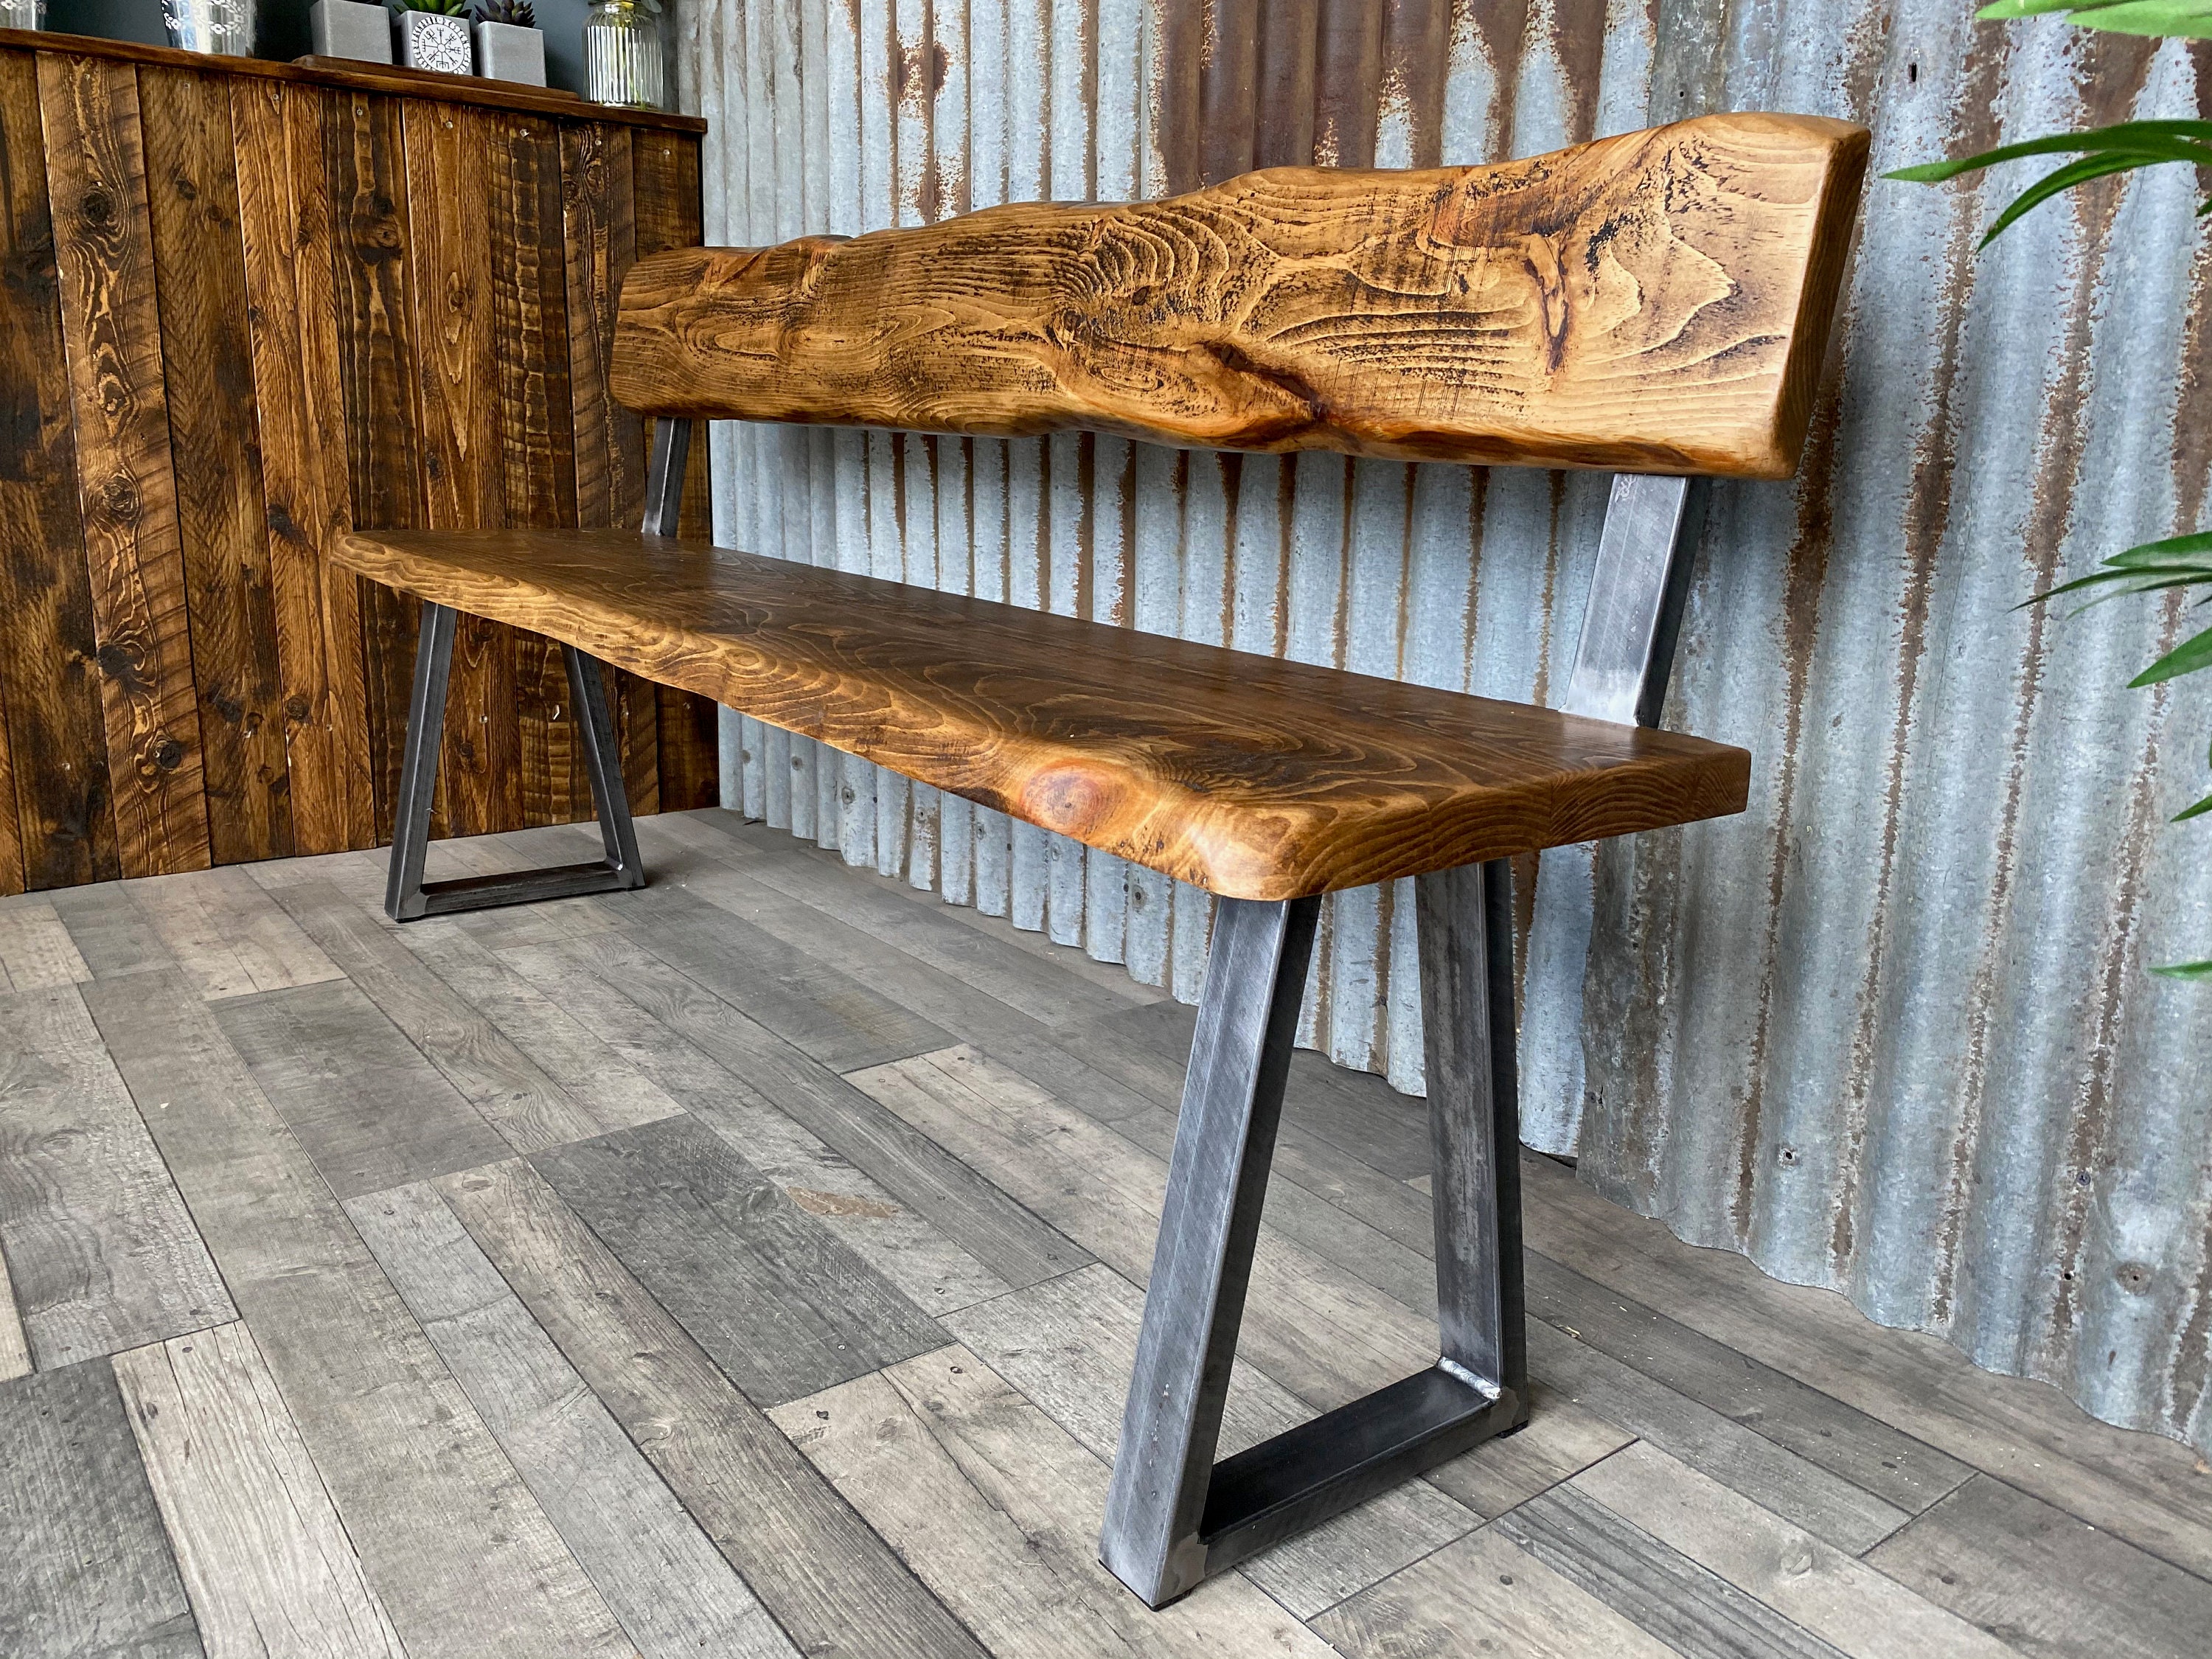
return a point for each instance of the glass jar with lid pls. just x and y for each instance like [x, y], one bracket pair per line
[622, 53]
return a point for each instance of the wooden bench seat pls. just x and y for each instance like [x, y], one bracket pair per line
[1247, 776]
[1656, 303]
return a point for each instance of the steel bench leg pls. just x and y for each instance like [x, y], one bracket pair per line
[1173, 1514]
[407, 896]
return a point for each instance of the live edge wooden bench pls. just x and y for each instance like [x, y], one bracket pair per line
[1656, 304]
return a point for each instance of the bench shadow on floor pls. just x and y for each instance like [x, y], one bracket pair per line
[753, 1265]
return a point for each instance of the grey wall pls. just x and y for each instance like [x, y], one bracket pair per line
[1890, 1030]
[282, 29]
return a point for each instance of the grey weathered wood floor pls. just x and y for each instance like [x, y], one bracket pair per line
[752, 1266]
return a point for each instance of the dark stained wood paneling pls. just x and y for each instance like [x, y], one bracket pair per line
[207, 362]
[364, 165]
[537, 433]
[1251, 776]
[243, 308]
[668, 216]
[284, 222]
[451, 153]
[57, 809]
[111, 329]
[599, 204]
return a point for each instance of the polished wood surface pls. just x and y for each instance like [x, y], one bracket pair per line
[1250, 776]
[1657, 302]
[249, 305]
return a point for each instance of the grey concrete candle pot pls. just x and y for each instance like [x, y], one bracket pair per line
[511, 52]
[350, 28]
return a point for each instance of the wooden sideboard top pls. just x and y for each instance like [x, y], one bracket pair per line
[359, 77]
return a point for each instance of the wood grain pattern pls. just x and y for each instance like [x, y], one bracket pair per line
[784, 1307]
[84, 1567]
[111, 329]
[379, 384]
[261, 1550]
[836, 1587]
[1657, 302]
[103, 1254]
[668, 206]
[58, 751]
[207, 364]
[450, 280]
[15, 1347]
[2045, 1583]
[467, 1563]
[1250, 776]
[285, 225]
[599, 226]
[675, 1595]
[1830, 1593]
[994, 1507]
[537, 438]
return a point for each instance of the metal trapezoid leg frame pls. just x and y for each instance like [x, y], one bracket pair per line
[407, 896]
[1174, 1515]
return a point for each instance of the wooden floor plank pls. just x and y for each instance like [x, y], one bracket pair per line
[2045, 1583]
[100, 1250]
[1483, 1595]
[609, 981]
[36, 949]
[263, 1554]
[14, 1350]
[1854, 1606]
[1562, 1439]
[1051, 988]
[996, 1510]
[834, 1585]
[674, 1594]
[1824, 1504]
[467, 1563]
[227, 935]
[941, 1001]
[1359, 1115]
[85, 1569]
[1867, 1452]
[613, 1093]
[1306, 1324]
[112, 934]
[503, 1083]
[365, 1104]
[1661, 1592]
[825, 1013]
[2142, 1487]
[1070, 1344]
[781, 1305]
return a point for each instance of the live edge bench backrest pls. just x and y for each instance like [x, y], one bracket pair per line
[1656, 303]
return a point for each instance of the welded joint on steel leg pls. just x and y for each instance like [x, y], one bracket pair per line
[407, 896]
[1174, 1517]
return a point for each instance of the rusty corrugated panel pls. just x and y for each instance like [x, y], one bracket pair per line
[1889, 1031]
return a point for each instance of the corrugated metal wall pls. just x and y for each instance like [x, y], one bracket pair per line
[1890, 1031]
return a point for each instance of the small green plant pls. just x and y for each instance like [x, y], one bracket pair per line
[442, 7]
[2180, 562]
[519, 13]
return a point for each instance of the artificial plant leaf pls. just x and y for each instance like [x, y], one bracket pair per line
[2197, 811]
[2198, 541]
[2183, 17]
[2191, 654]
[2155, 140]
[2074, 173]
[2185, 971]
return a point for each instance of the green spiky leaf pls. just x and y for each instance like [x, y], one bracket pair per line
[2185, 971]
[2187, 657]
[2192, 18]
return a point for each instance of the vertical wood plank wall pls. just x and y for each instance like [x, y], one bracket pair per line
[240, 311]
